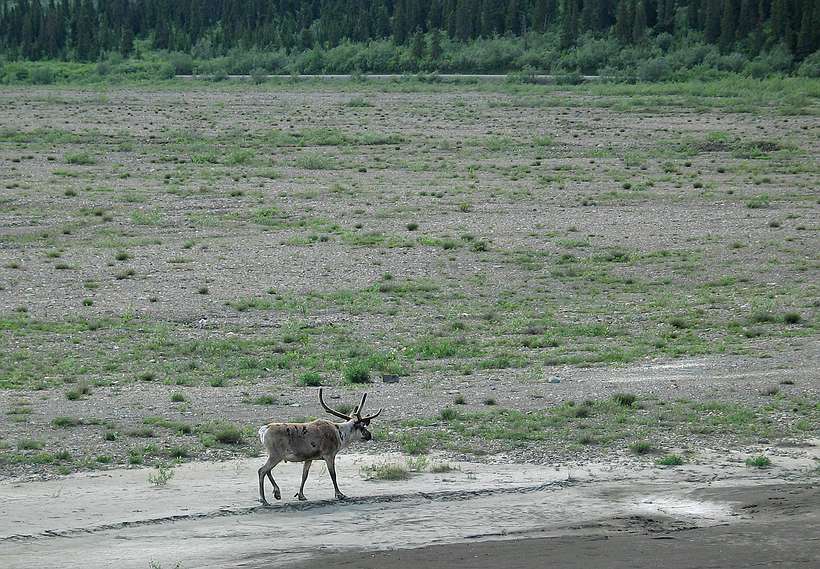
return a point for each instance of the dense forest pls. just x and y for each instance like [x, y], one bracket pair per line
[409, 35]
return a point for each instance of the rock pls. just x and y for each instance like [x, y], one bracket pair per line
[554, 379]
[390, 378]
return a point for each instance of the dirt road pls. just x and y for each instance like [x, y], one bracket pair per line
[206, 516]
[772, 538]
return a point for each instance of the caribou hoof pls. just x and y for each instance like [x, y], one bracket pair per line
[300, 496]
[277, 495]
[340, 496]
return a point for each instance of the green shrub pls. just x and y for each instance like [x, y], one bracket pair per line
[64, 422]
[356, 372]
[182, 63]
[654, 70]
[670, 460]
[310, 379]
[759, 461]
[792, 318]
[386, 472]
[259, 75]
[625, 399]
[448, 414]
[641, 447]
[414, 443]
[30, 444]
[43, 75]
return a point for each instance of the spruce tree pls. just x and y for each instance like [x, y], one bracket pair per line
[127, 42]
[805, 38]
[435, 45]
[417, 47]
[747, 18]
[623, 21]
[711, 30]
[727, 26]
[540, 15]
[512, 22]
[693, 15]
[570, 15]
[400, 23]
[666, 16]
[639, 25]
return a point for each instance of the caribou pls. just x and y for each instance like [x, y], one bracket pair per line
[306, 442]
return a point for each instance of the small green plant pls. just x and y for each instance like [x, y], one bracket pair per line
[147, 375]
[412, 226]
[758, 202]
[80, 159]
[387, 471]
[670, 460]
[448, 414]
[64, 422]
[459, 400]
[760, 461]
[417, 464]
[415, 444]
[161, 476]
[224, 433]
[141, 433]
[30, 444]
[792, 318]
[442, 468]
[586, 439]
[489, 401]
[625, 399]
[264, 400]
[310, 379]
[62, 455]
[641, 447]
[78, 391]
[356, 372]
[178, 452]
[177, 397]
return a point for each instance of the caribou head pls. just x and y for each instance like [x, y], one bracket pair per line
[359, 423]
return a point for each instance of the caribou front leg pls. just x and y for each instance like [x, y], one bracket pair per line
[305, 470]
[331, 466]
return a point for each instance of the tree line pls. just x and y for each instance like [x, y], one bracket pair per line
[85, 30]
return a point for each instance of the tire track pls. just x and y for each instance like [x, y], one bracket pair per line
[441, 496]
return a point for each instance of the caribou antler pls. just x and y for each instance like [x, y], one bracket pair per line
[358, 410]
[333, 411]
[370, 417]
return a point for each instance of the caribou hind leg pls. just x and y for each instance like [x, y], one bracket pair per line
[265, 470]
[305, 470]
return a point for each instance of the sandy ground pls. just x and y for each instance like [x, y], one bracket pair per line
[207, 516]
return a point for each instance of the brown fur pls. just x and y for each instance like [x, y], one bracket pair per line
[306, 442]
[296, 442]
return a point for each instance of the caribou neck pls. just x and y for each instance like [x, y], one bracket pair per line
[345, 432]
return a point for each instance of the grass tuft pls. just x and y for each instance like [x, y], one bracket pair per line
[760, 461]
[670, 460]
